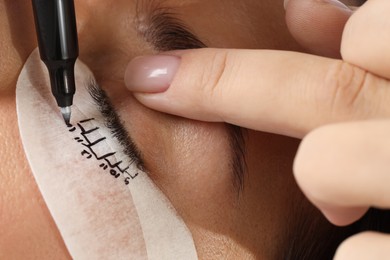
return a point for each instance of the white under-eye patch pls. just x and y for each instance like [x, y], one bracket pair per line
[103, 205]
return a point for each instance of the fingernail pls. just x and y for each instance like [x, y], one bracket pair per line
[151, 73]
[332, 2]
[336, 3]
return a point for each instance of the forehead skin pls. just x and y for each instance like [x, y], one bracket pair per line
[196, 180]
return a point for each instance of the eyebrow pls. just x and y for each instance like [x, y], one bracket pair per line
[161, 28]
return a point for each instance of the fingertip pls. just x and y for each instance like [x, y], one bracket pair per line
[167, 102]
[156, 101]
[169, 82]
[364, 245]
[341, 216]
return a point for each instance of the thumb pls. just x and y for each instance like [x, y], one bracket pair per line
[317, 25]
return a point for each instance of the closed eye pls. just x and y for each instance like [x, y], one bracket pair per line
[160, 27]
[164, 32]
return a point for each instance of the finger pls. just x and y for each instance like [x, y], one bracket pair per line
[318, 25]
[281, 92]
[366, 245]
[366, 38]
[344, 169]
[342, 215]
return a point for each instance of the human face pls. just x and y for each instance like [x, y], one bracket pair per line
[225, 222]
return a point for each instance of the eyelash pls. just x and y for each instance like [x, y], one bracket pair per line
[113, 122]
[166, 32]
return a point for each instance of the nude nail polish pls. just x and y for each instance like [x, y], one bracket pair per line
[151, 74]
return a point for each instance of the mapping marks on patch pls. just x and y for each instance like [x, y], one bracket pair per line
[95, 147]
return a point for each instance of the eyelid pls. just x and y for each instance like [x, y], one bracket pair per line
[163, 30]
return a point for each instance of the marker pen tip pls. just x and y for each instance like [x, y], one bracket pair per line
[66, 112]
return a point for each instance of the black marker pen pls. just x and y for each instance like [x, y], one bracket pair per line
[55, 23]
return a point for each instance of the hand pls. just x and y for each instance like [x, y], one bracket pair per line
[342, 168]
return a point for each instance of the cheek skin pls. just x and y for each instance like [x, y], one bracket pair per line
[16, 42]
[25, 223]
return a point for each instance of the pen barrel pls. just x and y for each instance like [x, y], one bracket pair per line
[62, 81]
[55, 22]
